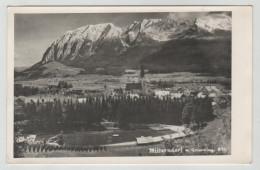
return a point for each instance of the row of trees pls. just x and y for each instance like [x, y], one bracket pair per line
[20, 90]
[197, 111]
[165, 84]
[46, 148]
[68, 115]
[218, 143]
[20, 123]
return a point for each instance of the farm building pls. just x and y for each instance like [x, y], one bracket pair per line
[213, 103]
[144, 140]
[161, 93]
[176, 95]
[133, 95]
[35, 100]
[178, 89]
[130, 71]
[82, 100]
[209, 89]
[193, 93]
[201, 95]
[212, 95]
[134, 87]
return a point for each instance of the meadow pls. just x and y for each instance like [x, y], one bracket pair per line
[97, 81]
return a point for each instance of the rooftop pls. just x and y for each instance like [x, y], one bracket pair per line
[133, 86]
[144, 140]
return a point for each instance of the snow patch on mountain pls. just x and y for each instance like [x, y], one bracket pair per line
[87, 40]
[211, 23]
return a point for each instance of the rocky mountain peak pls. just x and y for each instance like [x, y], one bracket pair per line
[106, 39]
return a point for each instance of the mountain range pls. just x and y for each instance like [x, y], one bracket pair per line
[193, 44]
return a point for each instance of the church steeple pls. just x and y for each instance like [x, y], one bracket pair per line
[142, 71]
[142, 79]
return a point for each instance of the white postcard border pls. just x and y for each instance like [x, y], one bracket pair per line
[241, 88]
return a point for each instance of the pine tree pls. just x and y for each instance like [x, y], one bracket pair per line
[19, 125]
[142, 71]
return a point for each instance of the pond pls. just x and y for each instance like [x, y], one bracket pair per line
[105, 137]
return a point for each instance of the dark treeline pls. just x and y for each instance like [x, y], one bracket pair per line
[67, 115]
[169, 84]
[172, 82]
[219, 71]
[20, 90]
[197, 111]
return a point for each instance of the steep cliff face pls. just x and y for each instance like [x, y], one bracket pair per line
[105, 45]
[83, 41]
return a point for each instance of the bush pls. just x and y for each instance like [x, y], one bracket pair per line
[196, 145]
[64, 84]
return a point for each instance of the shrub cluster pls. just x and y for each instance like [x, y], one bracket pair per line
[47, 148]
[64, 84]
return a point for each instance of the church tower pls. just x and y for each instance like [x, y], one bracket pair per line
[142, 79]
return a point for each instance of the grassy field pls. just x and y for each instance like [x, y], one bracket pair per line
[97, 82]
[105, 137]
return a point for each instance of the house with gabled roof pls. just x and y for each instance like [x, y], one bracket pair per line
[176, 95]
[134, 87]
[161, 93]
[209, 89]
[144, 140]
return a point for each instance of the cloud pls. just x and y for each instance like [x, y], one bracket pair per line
[179, 16]
[227, 13]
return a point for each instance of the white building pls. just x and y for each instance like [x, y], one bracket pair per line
[178, 89]
[129, 71]
[201, 95]
[212, 95]
[144, 140]
[176, 95]
[82, 100]
[133, 95]
[161, 93]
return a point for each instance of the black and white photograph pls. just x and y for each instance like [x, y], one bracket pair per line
[123, 83]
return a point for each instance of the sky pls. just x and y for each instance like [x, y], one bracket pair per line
[34, 33]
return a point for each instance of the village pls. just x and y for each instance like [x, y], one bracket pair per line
[134, 85]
